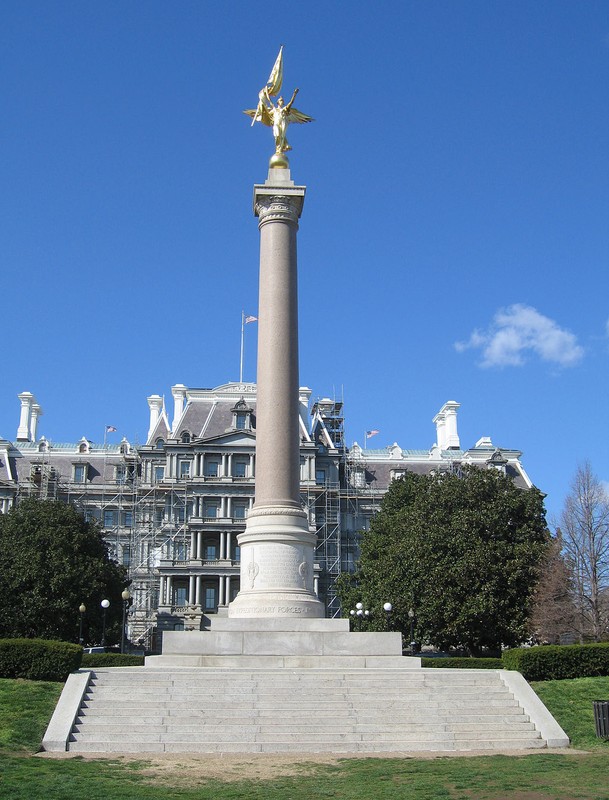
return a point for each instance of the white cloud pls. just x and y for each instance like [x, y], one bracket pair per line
[518, 331]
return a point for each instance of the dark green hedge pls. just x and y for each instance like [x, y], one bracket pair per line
[556, 662]
[463, 663]
[38, 659]
[90, 660]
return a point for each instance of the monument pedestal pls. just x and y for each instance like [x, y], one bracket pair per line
[286, 642]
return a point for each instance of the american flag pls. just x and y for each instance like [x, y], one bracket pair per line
[110, 429]
[369, 434]
[251, 319]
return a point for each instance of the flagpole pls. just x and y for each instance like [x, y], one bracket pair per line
[241, 358]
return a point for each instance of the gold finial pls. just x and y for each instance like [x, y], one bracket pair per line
[278, 116]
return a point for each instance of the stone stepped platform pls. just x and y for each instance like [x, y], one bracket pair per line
[302, 710]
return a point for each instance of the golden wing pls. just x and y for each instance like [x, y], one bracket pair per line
[260, 114]
[295, 115]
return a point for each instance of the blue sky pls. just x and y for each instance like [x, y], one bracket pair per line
[454, 242]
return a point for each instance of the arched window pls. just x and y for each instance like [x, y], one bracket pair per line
[160, 444]
[186, 437]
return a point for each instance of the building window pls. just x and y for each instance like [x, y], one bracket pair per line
[210, 598]
[184, 469]
[185, 437]
[109, 518]
[180, 595]
[158, 515]
[159, 474]
[128, 519]
[358, 478]
[210, 552]
[237, 553]
[121, 474]
[180, 515]
[239, 511]
[211, 510]
[80, 473]
[179, 551]
[212, 468]
[320, 476]
[159, 444]
[241, 421]
[239, 468]
[126, 555]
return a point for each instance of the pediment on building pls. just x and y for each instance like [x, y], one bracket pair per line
[232, 438]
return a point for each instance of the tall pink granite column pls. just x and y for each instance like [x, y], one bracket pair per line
[277, 547]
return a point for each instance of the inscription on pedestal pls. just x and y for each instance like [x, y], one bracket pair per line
[279, 566]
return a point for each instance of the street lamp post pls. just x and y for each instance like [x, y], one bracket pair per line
[413, 644]
[82, 608]
[359, 613]
[104, 604]
[387, 608]
[125, 595]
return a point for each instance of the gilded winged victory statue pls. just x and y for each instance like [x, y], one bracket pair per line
[278, 116]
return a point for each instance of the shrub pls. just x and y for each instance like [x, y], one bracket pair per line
[463, 663]
[38, 659]
[90, 660]
[556, 662]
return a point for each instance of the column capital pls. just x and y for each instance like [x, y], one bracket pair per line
[278, 197]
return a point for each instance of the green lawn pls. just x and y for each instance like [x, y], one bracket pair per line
[26, 706]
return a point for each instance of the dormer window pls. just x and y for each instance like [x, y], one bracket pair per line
[242, 415]
[185, 438]
[159, 444]
[80, 473]
[84, 446]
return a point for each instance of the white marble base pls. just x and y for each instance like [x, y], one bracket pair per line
[277, 552]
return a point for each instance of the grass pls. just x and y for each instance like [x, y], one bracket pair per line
[25, 708]
[571, 704]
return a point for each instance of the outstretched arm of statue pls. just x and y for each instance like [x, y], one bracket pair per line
[289, 105]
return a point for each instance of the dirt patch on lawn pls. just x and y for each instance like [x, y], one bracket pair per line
[193, 769]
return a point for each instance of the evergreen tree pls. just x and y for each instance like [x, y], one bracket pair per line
[51, 561]
[464, 552]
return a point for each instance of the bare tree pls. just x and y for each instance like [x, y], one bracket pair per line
[553, 614]
[584, 525]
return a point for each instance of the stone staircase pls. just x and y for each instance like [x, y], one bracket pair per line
[307, 710]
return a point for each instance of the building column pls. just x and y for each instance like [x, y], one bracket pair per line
[169, 583]
[198, 590]
[191, 590]
[193, 545]
[228, 545]
[221, 600]
[227, 580]
[162, 590]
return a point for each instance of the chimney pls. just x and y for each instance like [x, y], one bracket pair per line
[155, 402]
[304, 395]
[179, 396]
[36, 414]
[23, 431]
[446, 426]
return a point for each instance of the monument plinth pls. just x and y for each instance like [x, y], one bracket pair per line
[277, 546]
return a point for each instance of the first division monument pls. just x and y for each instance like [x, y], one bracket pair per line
[277, 546]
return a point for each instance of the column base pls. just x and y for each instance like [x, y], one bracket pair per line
[277, 552]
